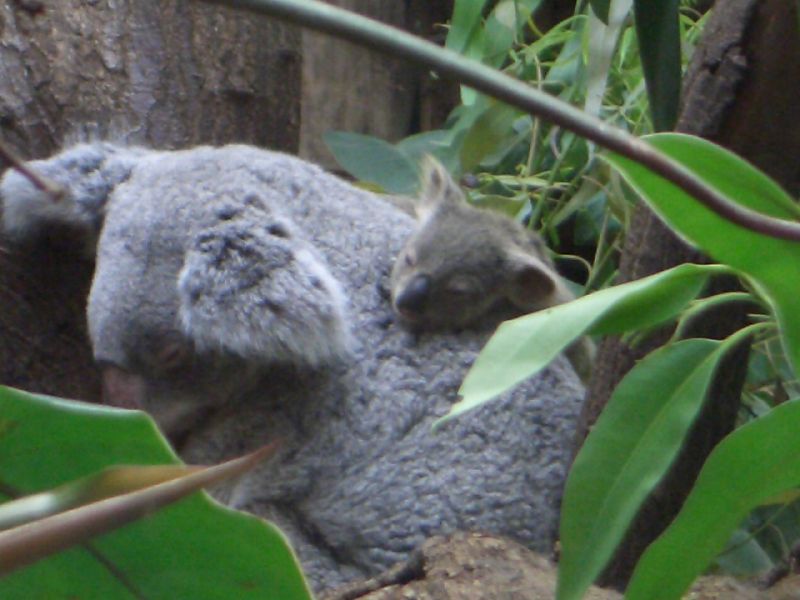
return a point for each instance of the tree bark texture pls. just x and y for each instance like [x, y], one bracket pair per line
[348, 88]
[741, 91]
[166, 73]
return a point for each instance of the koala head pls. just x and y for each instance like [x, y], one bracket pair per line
[462, 261]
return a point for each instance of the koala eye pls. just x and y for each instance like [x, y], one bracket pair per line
[460, 286]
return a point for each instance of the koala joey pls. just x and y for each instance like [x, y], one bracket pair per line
[241, 296]
[462, 262]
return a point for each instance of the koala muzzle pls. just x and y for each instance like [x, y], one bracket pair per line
[412, 300]
[122, 388]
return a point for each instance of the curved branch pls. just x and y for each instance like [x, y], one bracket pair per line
[389, 40]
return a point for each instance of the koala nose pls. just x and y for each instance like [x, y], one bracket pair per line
[122, 388]
[413, 298]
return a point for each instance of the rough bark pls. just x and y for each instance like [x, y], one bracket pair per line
[741, 92]
[348, 88]
[165, 73]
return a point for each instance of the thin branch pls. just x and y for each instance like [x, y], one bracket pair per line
[392, 41]
[49, 187]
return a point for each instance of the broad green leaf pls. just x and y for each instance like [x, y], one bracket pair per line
[629, 449]
[660, 48]
[770, 264]
[522, 347]
[435, 142]
[193, 549]
[373, 160]
[487, 132]
[754, 463]
[69, 527]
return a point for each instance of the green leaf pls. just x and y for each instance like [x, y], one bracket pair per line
[600, 9]
[487, 133]
[465, 23]
[436, 142]
[123, 495]
[373, 160]
[629, 449]
[193, 549]
[503, 26]
[467, 37]
[657, 27]
[744, 556]
[770, 264]
[754, 463]
[522, 347]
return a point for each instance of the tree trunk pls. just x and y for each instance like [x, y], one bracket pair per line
[348, 88]
[741, 92]
[165, 73]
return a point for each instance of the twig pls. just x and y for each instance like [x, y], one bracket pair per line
[40, 182]
[400, 574]
[390, 40]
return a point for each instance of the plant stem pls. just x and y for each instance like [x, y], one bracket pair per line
[390, 40]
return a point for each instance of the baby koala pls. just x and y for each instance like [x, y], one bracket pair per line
[462, 262]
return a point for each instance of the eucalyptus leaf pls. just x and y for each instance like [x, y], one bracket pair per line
[373, 160]
[465, 22]
[770, 264]
[630, 447]
[503, 27]
[435, 142]
[467, 37]
[744, 556]
[488, 132]
[523, 346]
[192, 549]
[756, 462]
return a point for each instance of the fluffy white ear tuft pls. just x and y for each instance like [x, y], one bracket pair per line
[437, 188]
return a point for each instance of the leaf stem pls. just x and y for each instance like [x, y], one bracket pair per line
[390, 40]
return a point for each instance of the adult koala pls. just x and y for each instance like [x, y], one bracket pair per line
[242, 296]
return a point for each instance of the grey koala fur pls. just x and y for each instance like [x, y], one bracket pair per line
[246, 293]
[462, 262]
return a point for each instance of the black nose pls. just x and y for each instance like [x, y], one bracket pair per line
[415, 295]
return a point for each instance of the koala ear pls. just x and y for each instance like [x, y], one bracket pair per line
[437, 188]
[533, 284]
[253, 288]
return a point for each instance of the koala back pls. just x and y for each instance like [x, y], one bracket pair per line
[250, 292]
